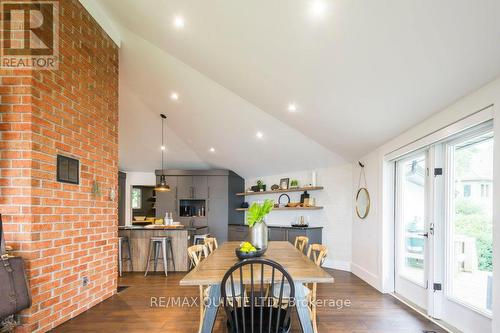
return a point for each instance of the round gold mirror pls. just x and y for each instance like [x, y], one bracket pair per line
[362, 203]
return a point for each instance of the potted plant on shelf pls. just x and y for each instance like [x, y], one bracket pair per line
[256, 221]
[261, 185]
[294, 184]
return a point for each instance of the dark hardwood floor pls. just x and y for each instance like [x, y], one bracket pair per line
[131, 311]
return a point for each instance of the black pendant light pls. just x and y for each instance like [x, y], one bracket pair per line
[162, 185]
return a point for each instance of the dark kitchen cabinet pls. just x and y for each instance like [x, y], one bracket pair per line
[238, 233]
[122, 179]
[200, 187]
[235, 183]
[217, 187]
[217, 216]
[185, 187]
[277, 234]
[200, 221]
[217, 206]
[167, 201]
[290, 233]
[193, 221]
[187, 221]
[294, 233]
[192, 187]
[315, 235]
[241, 233]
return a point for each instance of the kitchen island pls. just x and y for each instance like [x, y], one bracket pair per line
[139, 237]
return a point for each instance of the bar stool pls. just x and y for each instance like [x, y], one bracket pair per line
[200, 239]
[157, 244]
[121, 241]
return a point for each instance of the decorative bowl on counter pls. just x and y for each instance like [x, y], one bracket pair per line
[247, 255]
[298, 225]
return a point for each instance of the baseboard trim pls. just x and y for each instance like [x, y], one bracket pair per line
[337, 264]
[366, 276]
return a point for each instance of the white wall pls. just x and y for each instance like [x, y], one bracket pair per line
[366, 233]
[370, 237]
[136, 178]
[336, 216]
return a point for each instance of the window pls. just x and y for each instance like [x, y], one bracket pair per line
[470, 220]
[136, 198]
[467, 190]
[412, 214]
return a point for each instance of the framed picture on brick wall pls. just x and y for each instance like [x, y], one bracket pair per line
[68, 170]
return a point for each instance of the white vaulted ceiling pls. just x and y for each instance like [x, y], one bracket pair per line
[361, 74]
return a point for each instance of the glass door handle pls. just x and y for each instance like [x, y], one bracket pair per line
[426, 235]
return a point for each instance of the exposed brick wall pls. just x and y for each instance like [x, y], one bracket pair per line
[15, 157]
[64, 231]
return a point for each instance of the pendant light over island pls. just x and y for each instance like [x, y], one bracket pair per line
[162, 185]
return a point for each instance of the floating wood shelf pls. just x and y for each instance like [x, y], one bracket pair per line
[300, 189]
[288, 208]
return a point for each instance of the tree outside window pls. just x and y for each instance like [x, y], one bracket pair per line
[136, 198]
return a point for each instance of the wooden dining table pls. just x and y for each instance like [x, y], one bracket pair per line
[211, 271]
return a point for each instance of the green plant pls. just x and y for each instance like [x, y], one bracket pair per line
[294, 183]
[260, 183]
[257, 212]
[473, 221]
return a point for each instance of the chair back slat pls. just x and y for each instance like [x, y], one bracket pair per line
[261, 298]
[211, 244]
[301, 243]
[252, 299]
[271, 293]
[243, 302]
[196, 253]
[233, 293]
[317, 253]
[262, 311]
[282, 285]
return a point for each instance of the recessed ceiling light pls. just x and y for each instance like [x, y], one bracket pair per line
[212, 149]
[179, 22]
[292, 107]
[174, 96]
[317, 8]
[259, 135]
[163, 148]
